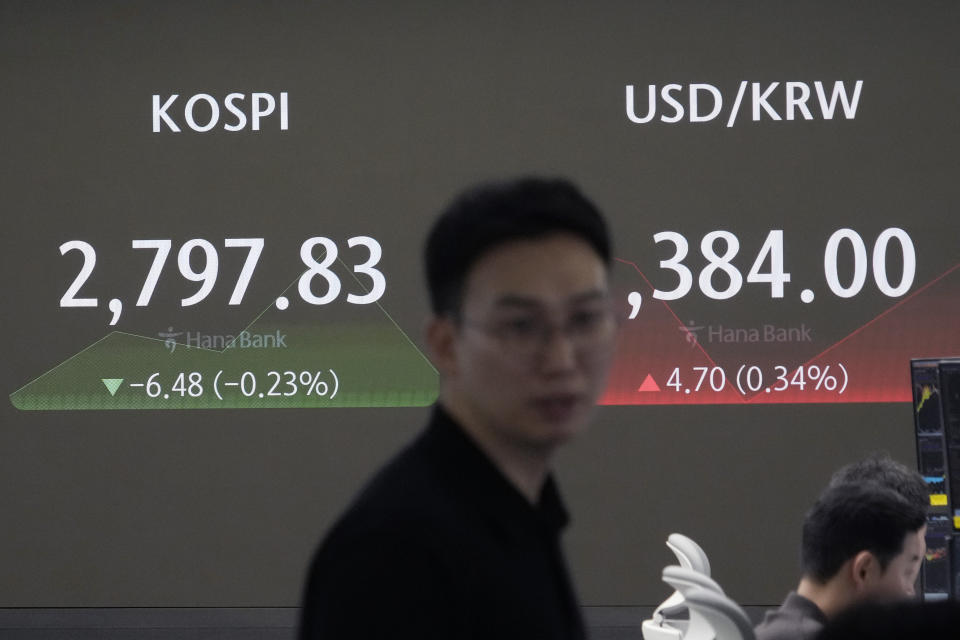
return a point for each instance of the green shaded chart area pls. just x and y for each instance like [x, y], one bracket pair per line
[266, 366]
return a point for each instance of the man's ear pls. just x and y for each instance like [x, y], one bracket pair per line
[864, 569]
[441, 338]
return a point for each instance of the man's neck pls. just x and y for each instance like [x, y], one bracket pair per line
[526, 468]
[830, 597]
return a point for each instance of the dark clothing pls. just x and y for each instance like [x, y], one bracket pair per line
[441, 545]
[797, 619]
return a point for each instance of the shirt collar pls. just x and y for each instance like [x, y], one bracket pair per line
[465, 464]
[796, 601]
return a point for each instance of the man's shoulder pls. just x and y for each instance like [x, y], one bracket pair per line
[796, 619]
[409, 497]
[383, 555]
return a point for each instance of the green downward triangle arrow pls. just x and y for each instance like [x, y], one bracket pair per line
[112, 384]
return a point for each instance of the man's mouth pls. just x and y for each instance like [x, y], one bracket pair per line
[557, 407]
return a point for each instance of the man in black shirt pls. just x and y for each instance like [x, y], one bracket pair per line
[459, 535]
[863, 541]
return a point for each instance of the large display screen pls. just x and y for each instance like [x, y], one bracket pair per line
[213, 223]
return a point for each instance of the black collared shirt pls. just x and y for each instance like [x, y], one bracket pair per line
[797, 619]
[441, 545]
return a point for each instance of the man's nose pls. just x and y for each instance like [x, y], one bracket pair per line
[559, 352]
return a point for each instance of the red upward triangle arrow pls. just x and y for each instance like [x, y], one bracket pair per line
[649, 384]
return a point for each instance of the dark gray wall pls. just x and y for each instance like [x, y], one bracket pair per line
[393, 107]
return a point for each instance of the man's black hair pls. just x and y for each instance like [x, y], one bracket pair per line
[850, 518]
[887, 472]
[491, 214]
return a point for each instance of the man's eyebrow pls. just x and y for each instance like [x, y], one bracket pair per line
[594, 295]
[511, 300]
[527, 302]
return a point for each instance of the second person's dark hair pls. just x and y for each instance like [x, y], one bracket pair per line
[850, 518]
[887, 472]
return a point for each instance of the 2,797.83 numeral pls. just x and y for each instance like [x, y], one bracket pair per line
[207, 275]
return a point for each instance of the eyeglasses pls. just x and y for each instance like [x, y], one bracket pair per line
[527, 335]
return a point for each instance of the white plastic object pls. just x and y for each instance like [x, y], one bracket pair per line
[725, 618]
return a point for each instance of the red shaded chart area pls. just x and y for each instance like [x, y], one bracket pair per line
[662, 360]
